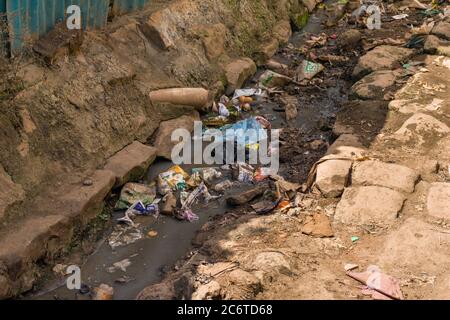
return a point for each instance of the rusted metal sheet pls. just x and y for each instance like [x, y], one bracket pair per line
[29, 19]
[125, 6]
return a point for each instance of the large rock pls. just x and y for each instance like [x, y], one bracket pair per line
[310, 4]
[382, 57]
[332, 176]
[10, 192]
[433, 44]
[163, 139]
[213, 38]
[346, 146]
[349, 39]
[364, 119]
[237, 72]
[389, 175]
[267, 50]
[438, 200]
[420, 128]
[131, 163]
[374, 85]
[442, 30]
[159, 31]
[282, 31]
[378, 206]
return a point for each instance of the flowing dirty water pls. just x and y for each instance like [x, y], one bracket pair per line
[150, 257]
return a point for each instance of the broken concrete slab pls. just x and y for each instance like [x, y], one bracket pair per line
[389, 175]
[332, 177]
[422, 248]
[131, 163]
[237, 72]
[382, 57]
[369, 205]
[374, 86]
[438, 200]
[163, 137]
[10, 192]
[421, 128]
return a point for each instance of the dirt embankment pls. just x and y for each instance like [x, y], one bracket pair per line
[60, 122]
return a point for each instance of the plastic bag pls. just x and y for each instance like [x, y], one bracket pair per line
[172, 180]
[133, 192]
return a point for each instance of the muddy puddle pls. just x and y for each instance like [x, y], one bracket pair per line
[151, 256]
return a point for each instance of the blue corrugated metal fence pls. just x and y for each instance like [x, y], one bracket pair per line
[3, 30]
[30, 19]
[124, 6]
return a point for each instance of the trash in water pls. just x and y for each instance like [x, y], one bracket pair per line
[243, 172]
[265, 206]
[317, 41]
[124, 235]
[124, 279]
[121, 265]
[218, 121]
[133, 192]
[400, 16]
[270, 79]
[263, 173]
[246, 196]
[381, 286]
[308, 70]
[244, 99]
[205, 174]
[185, 212]
[139, 209]
[168, 204]
[247, 93]
[222, 186]
[223, 111]
[172, 180]
[152, 233]
[103, 292]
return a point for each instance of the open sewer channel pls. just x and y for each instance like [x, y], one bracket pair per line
[151, 256]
